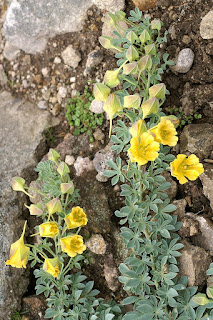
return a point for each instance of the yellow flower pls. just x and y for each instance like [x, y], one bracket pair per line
[143, 149]
[76, 218]
[73, 245]
[52, 266]
[19, 253]
[48, 229]
[165, 133]
[183, 168]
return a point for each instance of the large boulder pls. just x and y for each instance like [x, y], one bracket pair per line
[22, 144]
[29, 24]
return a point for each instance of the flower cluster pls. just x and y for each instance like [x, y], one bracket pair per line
[57, 223]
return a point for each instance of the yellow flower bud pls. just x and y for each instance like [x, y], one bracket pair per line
[107, 43]
[112, 106]
[130, 68]
[48, 229]
[132, 54]
[209, 292]
[156, 24]
[150, 49]
[150, 106]
[101, 91]
[76, 218]
[52, 266]
[132, 36]
[53, 155]
[120, 15]
[145, 63]
[111, 78]
[132, 101]
[201, 299]
[18, 184]
[63, 169]
[138, 128]
[53, 206]
[111, 19]
[72, 245]
[158, 91]
[145, 36]
[35, 209]
[19, 253]
[67, 188]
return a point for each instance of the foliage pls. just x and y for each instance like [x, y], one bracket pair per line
[184, 119]
[79, 115]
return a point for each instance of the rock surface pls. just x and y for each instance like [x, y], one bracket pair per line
[198, 139]
[194, 263]
[100, 162]
[206, 26]
[29, 24]
[110, 5]
[71, 57]
[207, 182]
[184, 61]
[111, 273]
[22, 143]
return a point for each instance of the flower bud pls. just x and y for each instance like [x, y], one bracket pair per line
[209, 292]
[132, 36]
[35, 209]
[156, 24]
[150, 106]
[145, 36]
[53, 155]
[112, 106]
[107, 43]
[67, 188]
[52, 266]
[201, 299]
[63, 169]
[101, 91]
[111, 78]
[150, 49]
[132, 101]
[138, 128]
[145, 63]
[132, 54]
[120, 15]
[18, 184]
[130, 68]
[158, 91]
[54, 205]
[111, 19]
[174, 120]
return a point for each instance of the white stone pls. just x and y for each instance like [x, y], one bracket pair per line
[110, 5]
[96, 106]
[71, 57]
[69, 160]
[83, 165]
[206, 26]
[184, 61]
[57, 60]
[96, 244]
[72, 79]
[45, 71]
[42, 105]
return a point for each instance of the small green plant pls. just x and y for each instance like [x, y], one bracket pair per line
[49, 136]
[184, 119]
[18, 315]
[58, 255]
[79, 115]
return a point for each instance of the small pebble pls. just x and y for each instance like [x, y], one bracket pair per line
[42, 105]
[57, 60]
[96, 244]
[184, 61]
[69, 160]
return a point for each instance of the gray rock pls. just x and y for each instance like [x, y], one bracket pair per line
[100, 161]
[111, 273]
[206, 26]
[98, 134]
[29, 24]
[198, 139]
[3, 77]
[205, 238]
[83, 165]
[42, 105]
[71, 57]
[184, 61]
[96, 106]
[181, 207]
[207, 181]
[10, 51]
[110, 5]
[189, 228]
[194, 263]
[96, 244]
[22, 143]
[94, 59]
